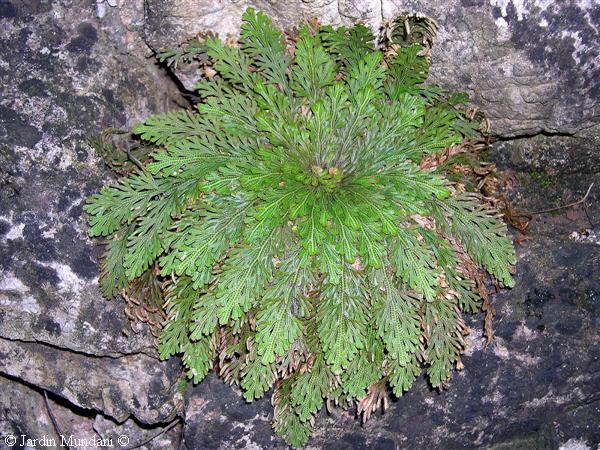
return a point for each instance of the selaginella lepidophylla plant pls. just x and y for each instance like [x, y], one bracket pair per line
[305, 239]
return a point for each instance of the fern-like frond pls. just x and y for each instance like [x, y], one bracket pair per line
[397, 318]
[314, 69]
[257, 378]
[343, 318]
[279, 318]
[444, 331]
[348, 45]
[146, 243]
[201, 239]
[364, 370]
[264, 44]
[180, 301]
[484, 235]
[122, 203]
[113, 276]
[171, 127]
[243, 278]
[310, 389]
[287, 422]
[414, 264]
[401, 377]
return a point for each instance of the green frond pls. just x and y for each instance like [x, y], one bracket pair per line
[191, 50]
[146, 243]
[286, 422]
[232, 63]
[202, 238]
[407, 69]
[401, 377]
[278, 320]
[205, 317]
[232, 114]
[198, 357]
[364, 370]
[310, 389]
[121, 203]
[444, 329]
[414, 264]
[343, 319]
[194, 158]
[113, 276]
[348, 45]
[257, 378]
[484, 235]
[171, 127]
[179, 305]
[366, 77]
[397, 318]
[314, 69]
[243, 278]
[264, 44]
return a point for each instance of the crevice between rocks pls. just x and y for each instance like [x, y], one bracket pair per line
[499, 138]
[78, 352]
[85, 414]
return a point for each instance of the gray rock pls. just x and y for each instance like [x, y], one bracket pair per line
[132, 385]
[109, 429]
[563, 154]
[25, 416]
[67, 82]
[553, 171]
[65, 77]
[530, 65]
[22, 412]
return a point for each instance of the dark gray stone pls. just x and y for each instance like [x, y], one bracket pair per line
[68, 81]
[65, 77]
[25, 416]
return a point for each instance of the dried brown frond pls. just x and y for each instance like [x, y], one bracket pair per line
[144, 298]
[375, 399]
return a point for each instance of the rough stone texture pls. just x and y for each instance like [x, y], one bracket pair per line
[532, 65]
[133, 385]
[66, 76]
[67, 82]
[20, 412]
[564, 154]
[24, 415]
[554, 171]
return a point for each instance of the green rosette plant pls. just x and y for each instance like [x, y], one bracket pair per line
[305, 240]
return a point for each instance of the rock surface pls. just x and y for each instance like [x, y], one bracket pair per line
[69, 69]
[65, 77]
[25, 415]
[532, 65]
